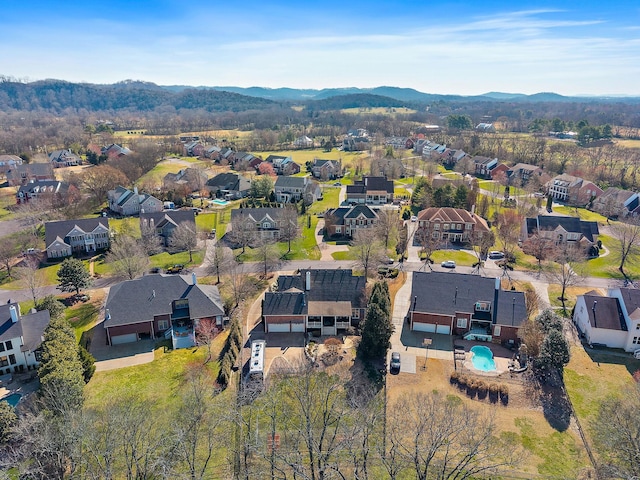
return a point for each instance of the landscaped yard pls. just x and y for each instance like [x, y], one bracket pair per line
[582, 213]
[166, 259]
[461, 258]
[571, 294]
[83, 316]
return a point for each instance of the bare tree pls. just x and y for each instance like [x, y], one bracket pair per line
[206, 331]
[99, 180]
[289, 227]
[8, 252]
[508, 225]
[368, 249]
[30, 275]
[238, 280]
[150, 241]
[443, 438]
[184, 239]
[562, 271]
[540, 246]
[218, 258]
[268, 255]
[628, 237]
[127, 257]
[387, 225]
[243, 231]
[429, 241]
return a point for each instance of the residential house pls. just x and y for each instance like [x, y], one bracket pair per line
[346, 221]
[399, 143]
[245, 161]
[433, 151]
[213, 152]
[54, 190]
[293, 189]
[20, 338]
[560, 230]
[126, 202]
[463, 304]
[499, 172]
[615, 202]
[323, 302]
[81, 236]
[64, 158]
[303, 142]
[7, 162]
[612, 320]
[230, 186]
[572, 190]
[193, 179]
[520, 174]
[156, 306]
[358, 132]
[189, 138]
[326, 169]
[165, 223]
[355, 143]
[370, 191]
[115, 151]
[450, 157]
[485, 127]
[194, 149]
[266, 221]
[451, 225]
[484, 165]
[23, 174]
[283, 165]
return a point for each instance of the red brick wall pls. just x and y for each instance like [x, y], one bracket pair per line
[283, 319]
[433, 318]
[133, 328]
[460, 331]
[508, 333]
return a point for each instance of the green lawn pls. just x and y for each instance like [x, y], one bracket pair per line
[49, 277]
[165, 259]
[607, 266]
[126, 225]
[83, 316]
[7, 198]
[583, 213]
[303, 156]
[330, 197]
[461, 258]
[347, 255]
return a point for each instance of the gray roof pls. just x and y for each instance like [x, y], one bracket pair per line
[631, 299]
[357, 210]
[607, 313]
[39, 169]
[60, 229]
[171, 216]
[140, 300]
[256, 213]
[30, 327]
[229, 181]
[54, 186]
[570, 224]
[284, 303]
[291, 182]
[447, 293]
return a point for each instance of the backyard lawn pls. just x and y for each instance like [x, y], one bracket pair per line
[461, 258]
[582, 213]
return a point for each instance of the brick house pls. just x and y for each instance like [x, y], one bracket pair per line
[293, 189]
[165, 223]
[561, 230]
[484, 165]
[64, 158]
[451, 224]
[26, 172]
[326, 169]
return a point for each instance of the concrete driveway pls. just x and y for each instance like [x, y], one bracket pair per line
[118, 356]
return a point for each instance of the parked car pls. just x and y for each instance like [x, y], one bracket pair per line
[636, 354]
[414, 218]
[389, 260]
[30, 251]
[337, 184]
[175, 268]
[495, 255]
[394, 364]
[448, 264]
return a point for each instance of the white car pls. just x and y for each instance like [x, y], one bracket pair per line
[494, 255]
[636, 354]
[448, 264]
[414, 218]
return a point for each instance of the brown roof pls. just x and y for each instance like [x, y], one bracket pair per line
[453, 215]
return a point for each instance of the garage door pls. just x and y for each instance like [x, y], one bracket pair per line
[278, 327]
[424, 327]
[120, 339]
[297, 327]
[446, 329]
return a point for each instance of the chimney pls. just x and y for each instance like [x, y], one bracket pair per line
[14, 314]
[308, 280]
[194, 279]
[135, 190]
[153, 294]
[107, 314]
[494, 313]
[595, 324]
[455, 296]
[473, 209]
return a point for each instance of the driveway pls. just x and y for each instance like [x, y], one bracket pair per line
[118, 356]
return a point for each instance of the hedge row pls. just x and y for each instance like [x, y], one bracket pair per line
[478, 387]
[230, 352]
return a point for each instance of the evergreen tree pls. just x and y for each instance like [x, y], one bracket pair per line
[51, 303]
[377, 328]
[88, 363]
[73, 276]
[554, 353]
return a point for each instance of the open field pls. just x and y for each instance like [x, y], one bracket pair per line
[307, 155]
[393, 111]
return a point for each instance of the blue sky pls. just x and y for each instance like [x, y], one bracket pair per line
[459, 47]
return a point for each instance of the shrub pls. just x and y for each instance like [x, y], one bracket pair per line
[454, 378]
[462, 381]
[636, 376]
[481, 387]
[471, 388]
[493, 392]
[504, 393]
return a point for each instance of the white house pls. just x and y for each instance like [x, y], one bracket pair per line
[82, 236]
[127, 202]
[20, 338]
[613, 320]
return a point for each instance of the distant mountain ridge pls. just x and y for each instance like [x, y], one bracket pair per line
[59, 95]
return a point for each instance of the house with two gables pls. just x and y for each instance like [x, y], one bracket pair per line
[129, 202]
[80, 237]
[325, 302]
[161, 306]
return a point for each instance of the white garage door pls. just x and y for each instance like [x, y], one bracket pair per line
[120, 339]
[424, 327]
[446, 329]
[297, 327]
[278, 327]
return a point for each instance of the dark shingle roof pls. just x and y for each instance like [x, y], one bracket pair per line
[140, 300]
[229, 181]
[358, 210]
[172, 216]
[570, 224]
[447, 293]
[30, 327]
[284, 303]
[60, 229]
[290, 182]
[607, 313]
[49, 186]
[256, 213]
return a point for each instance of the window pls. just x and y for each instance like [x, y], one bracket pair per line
[9, 345]
[12, 359]
[483, 306]
[469, 226]
[163, 324]
[636, 340]
[355, 313]
[4, 361]
[459, 226]
[445, 226]
[496, 330]
[638, 326]
[1, 347]
[436, 226]
[462, 323]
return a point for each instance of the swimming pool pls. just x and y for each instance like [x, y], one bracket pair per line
[12, 399]
[482, 358]
[217, 201]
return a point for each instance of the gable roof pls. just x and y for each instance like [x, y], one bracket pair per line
[447, 293]
[631, 300]
[229, 181]
[140, 300]
[43, 186]
[256, 214]
[291, 182]
[38, 169]
[60, 229]
[30, 327]
[570, 224]
[452, 215]
[175, 217]
[327, 285]
[605, 312]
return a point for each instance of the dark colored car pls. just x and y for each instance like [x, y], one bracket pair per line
[394, 364]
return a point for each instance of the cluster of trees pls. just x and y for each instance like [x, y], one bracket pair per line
[545, 343]
[461, 196]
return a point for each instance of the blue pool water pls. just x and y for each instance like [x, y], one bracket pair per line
[12, 399]
[482, 358]
[219, 202]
